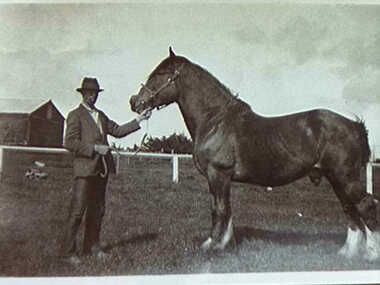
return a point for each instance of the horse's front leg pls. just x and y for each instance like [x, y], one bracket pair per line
[222, 229]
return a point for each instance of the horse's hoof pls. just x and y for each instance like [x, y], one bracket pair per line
[347, 253]
[354, 244]
[372, 252]
[219, 246]
[372, 256]
[206, 245]
[350, 251]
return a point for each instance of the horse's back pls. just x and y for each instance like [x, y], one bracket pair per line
[275, 150]
[279, 150]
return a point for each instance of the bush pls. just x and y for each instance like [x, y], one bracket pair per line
[175, 143]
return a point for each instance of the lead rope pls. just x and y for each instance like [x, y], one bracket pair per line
[143, 138]
[104, 175]
[105, 166]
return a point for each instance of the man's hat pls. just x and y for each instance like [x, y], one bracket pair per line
[89, 84]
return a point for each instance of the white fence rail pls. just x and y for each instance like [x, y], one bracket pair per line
[173, 157]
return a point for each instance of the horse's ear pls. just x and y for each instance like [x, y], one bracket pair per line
[171, 52]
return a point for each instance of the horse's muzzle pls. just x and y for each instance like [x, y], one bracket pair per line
[132, 102]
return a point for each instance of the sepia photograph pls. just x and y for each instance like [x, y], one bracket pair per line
[203, 142]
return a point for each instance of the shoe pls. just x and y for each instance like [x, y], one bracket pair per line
[102, 255]
[73, 259]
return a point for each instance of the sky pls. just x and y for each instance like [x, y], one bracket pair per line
[280, 57]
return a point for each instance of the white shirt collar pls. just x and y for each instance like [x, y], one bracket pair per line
[94, 113]
[88, 108]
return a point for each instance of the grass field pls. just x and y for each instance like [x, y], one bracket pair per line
[153, 226]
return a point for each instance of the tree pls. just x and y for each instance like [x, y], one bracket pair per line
[177, 143]
[118, 147]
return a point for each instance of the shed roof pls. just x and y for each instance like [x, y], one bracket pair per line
[21, 106]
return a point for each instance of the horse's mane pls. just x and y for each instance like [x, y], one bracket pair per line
[235, 104]
[167, 66]
[363, 138]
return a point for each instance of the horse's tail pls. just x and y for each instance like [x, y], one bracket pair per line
[363, 140]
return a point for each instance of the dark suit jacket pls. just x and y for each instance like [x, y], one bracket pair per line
[82, 134]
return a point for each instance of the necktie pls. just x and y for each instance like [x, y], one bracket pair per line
[95, 115]
[99, 123]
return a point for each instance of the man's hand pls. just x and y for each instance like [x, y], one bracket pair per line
[101, 149]
[145, 115]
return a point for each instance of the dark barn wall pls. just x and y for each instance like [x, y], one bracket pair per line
[13, 129]
[45, 133]
[42, 127]
[46, 127]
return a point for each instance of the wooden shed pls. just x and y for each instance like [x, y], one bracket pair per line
[30, 122]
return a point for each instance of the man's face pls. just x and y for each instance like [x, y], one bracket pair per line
[90, 97]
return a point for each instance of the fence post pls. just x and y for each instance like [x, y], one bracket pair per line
[117, 163]
[175, 168]
[369, 178]
[1, 162]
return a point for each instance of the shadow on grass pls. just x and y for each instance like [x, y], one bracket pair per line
[146, 237]
[285, 238]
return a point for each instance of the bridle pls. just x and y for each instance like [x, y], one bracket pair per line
[153, 94]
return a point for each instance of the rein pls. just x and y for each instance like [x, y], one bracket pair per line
[142, 142]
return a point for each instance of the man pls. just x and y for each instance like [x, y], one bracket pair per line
[86, 137]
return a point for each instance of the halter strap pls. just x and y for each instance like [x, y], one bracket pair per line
[163, 86]
[170, 81]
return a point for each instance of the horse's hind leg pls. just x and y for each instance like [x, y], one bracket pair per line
[361, 210]
[222, 228]
[369, 208]
[355, 239]
[343, 173]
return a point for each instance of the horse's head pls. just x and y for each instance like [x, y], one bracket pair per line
[161, 88]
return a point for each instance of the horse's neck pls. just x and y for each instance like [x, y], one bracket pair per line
[198, 104]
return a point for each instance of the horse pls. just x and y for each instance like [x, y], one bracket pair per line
[232, 143]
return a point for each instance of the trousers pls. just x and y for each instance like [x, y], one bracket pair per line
[88, 201]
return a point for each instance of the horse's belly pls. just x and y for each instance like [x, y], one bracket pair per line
[268, 174]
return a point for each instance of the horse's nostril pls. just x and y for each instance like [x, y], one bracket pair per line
[132, 102]
[132, 99]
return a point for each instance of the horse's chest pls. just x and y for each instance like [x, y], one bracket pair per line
[215, 149]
